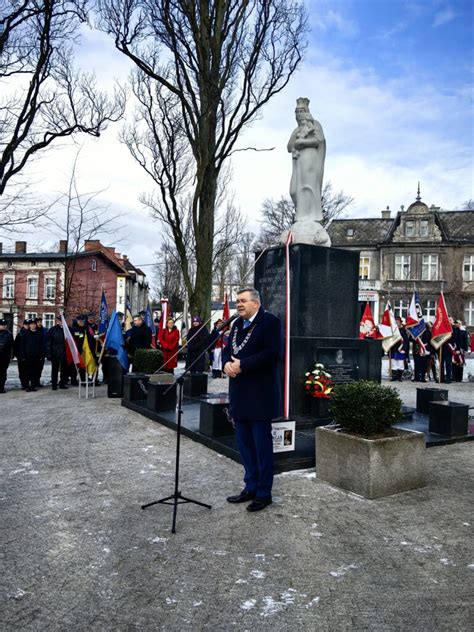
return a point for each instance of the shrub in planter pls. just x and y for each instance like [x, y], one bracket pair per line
[365, 408]
[147, 360]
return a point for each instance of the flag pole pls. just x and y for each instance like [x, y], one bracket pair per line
[440, 365]
[390, 364]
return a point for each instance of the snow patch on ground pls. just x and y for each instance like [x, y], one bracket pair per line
[342, 570]
[257, 574]
[248, 605]
[271, 606]
[157, 540]
[313, 602]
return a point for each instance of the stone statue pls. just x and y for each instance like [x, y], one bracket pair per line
[307, 146]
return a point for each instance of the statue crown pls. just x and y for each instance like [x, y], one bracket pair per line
[302, 102]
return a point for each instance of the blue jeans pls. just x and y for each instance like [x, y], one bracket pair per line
[256, 450]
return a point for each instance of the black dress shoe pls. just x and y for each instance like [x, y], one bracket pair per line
[243, 497]
[259, 503]
[63, 387]
[54, 388]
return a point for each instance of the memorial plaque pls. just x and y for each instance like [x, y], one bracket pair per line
[342, 364]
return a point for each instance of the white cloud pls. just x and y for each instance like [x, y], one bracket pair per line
[443, 17]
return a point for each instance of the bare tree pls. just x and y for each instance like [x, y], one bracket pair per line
[244, 260]
[279, 216]
[468, 205]
[225, 60]
[44, 97]
[78, 217]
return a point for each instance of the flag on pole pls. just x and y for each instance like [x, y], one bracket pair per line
[88, 359]
[103, 317]
[388, 329]
[149, 324]
[415, 323]
[114, 341]
[164, 312]
[225, 308]
[72, 354]
[367, 327]
[442, 330]
[128, 315]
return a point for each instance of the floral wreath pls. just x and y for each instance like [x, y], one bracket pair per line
[318, 382]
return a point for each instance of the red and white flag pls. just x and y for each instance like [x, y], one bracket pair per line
[389, 330]
[164, 312]
[72, 354]
[442, 330]
[367, 327]
[225, 309]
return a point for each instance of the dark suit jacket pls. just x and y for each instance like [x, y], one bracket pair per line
[255, 394]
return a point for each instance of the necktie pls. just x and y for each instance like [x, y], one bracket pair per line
[246, 323]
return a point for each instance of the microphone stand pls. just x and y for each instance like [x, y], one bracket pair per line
[177, 498]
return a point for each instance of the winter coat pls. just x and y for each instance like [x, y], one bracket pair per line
[139, 338]
[169, 342]
[79, 333]
[197, 342]
[255, 394]
[32, 346]
[6, 344]
[56, 348]
[17, 343]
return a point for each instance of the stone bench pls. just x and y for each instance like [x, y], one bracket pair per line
[135, 386]
[161, 392]
[195, 385]
[426, 395]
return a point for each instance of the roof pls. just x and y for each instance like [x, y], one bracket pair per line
[367, 231]
[457, 225]
[60, 257]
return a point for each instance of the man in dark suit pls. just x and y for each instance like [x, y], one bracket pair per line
[251, 362]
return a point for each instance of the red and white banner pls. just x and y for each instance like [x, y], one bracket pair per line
[286, 396]
[164, 312]
[225, 309]
[389, 330]
[72, 354]
[442, 330]
[367, 326]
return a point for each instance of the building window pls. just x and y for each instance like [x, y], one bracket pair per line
[409, 228]
[468, 268]
[424, 228]
[8, 287]
[402, 267]
[350, 232]
[93, 265]
[430, 310]
[49, 289]
[32, 287]
[31, 315]
[364, 268]
[429, 268]
[400, 308]
[49, 320]
[469, 313]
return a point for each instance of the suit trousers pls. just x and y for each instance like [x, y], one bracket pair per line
[59, 367]
[4, 362]
[255, 443]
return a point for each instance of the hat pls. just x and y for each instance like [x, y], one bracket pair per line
[119, 313]
[32, 321]
[26, 321]
[197, 319]
[81, 317]
[58, 316]
[3, 322]
[38, 319]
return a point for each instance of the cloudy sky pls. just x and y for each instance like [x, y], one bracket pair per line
[389, 80]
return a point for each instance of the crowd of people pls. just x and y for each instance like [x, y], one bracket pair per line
[34, 344]
[445, 365]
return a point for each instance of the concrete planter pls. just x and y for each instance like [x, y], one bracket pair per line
[372, 468]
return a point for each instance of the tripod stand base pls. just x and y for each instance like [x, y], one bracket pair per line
[176, 499]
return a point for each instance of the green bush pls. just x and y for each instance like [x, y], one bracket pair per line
[365, 408]
[147, 360]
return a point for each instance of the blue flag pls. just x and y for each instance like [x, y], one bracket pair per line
[103, 315]
[149, 318]
[415, 321]
[114, 341]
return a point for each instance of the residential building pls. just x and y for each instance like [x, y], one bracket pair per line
[44, 283]
[421, 247]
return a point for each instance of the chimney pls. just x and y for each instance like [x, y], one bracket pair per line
[111, 250]
[386, 213]
[20, 247]
[92, 244]
[62, 245]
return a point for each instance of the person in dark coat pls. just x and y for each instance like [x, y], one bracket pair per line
[79, 331]
[139, 336]
[215, 355]
[44, 336]
[16, 351]
[400, 353]
[460, 342]
[197, 341]
[251, 362]
[420, 356]
[56, 353]
[32, 352]
[6, 352]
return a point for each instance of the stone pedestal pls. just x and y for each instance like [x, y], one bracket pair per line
[162, 394]
[213, 420]
[449, 418]
[426, 395]
[135, 386]
[195, 384]
[324, 315]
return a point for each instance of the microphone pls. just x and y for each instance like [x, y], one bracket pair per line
[227, 322]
